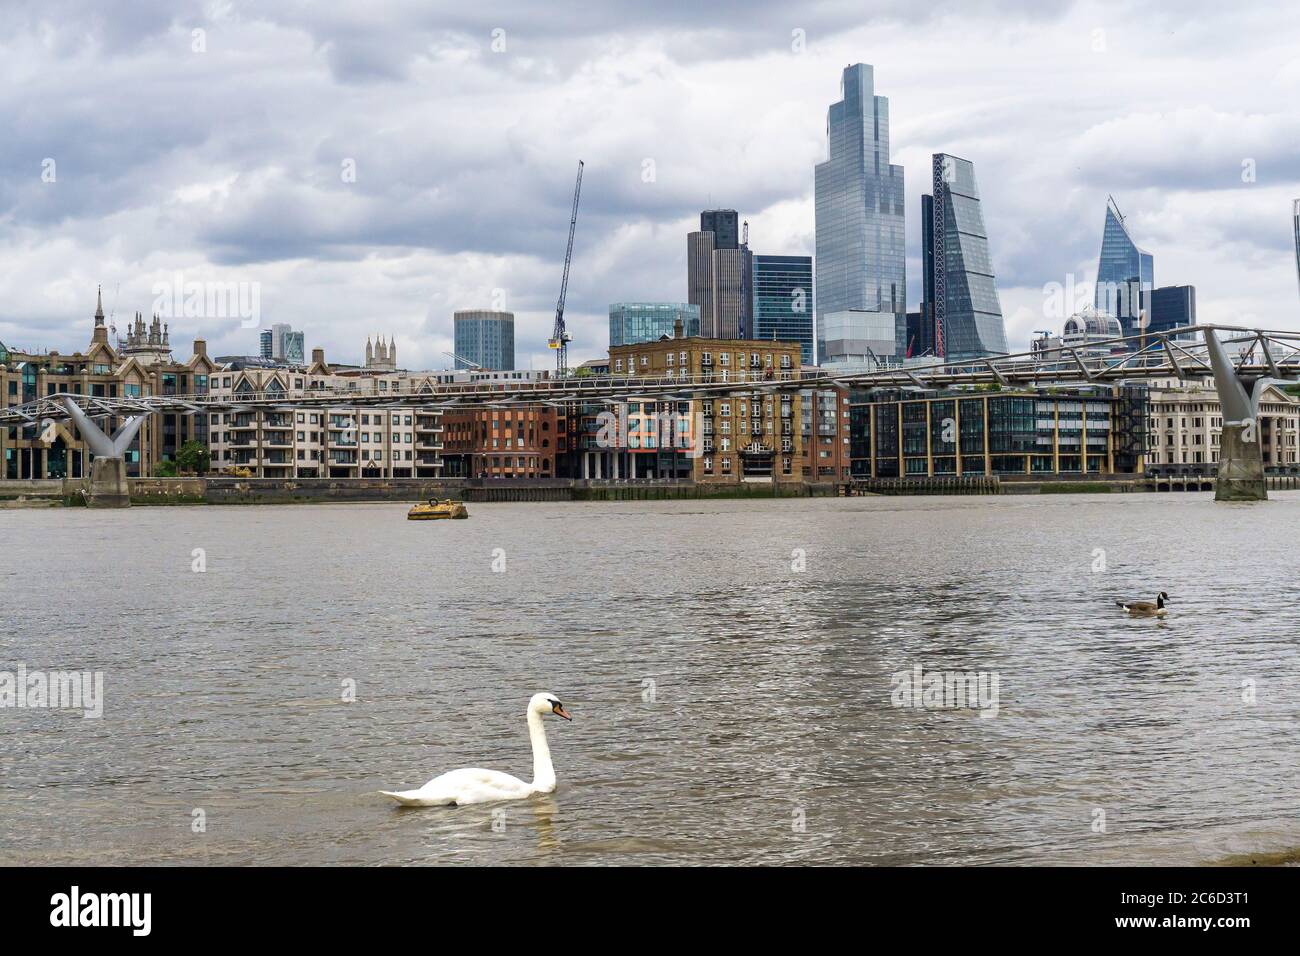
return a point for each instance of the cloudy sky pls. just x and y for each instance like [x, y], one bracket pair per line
[217, 141]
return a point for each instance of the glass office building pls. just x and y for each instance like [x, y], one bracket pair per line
[484, 339]
[783, 301]
[864, 339]
[861, 260]
[1125, 273]
[633, 322]
[1172, 307]
[961, 293]
[1089, 430]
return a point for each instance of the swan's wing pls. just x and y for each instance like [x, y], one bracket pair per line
[471, 785]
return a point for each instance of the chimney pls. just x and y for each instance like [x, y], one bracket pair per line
[317, 356]
[679, 331]
[201, 347]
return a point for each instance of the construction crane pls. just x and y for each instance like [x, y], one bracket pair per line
[560, 337]
[472, 366]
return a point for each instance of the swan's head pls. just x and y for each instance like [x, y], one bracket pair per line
[547, 703]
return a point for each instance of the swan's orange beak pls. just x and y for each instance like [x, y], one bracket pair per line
[559, 711]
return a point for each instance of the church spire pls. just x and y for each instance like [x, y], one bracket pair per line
[100, 335]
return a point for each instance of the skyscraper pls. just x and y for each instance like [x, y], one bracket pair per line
[783, 301]
[719, 276]
[961, 293]
[699, 275]
[1171, 307]
[484, 338]
[861, 263]
[725, 226]
[1125, 273]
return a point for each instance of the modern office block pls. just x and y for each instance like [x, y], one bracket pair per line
[484, 338]
[961, 295]
[861, 262]
[783, 301]
[1125, 273]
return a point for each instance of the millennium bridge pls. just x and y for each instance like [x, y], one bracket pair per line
[1262, 358]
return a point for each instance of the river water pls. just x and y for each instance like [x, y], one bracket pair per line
[728, 707]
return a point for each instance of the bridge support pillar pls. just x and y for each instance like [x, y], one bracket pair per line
[107, 486]
[1241, 465]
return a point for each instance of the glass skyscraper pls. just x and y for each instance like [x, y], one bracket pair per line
[1172, 307]
[960, 290]
[634, 322]
[783, 301]
[861, 261]
[484, 338]
[1125, 273]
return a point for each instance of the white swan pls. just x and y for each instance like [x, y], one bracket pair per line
[472, 785]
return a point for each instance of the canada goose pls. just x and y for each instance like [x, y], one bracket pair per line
[1146, 608]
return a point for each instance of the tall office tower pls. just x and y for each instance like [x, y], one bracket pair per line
[1125, 274]
[1171, 307]
[783, 301]
[719, 276]
[725, 226]
[733, 293]
[631, 323]
[699, 277]
[861, 263]
[959, 283]
[266, 343]
[484, 339]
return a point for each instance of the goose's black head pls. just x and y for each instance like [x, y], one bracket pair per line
[1161, 599]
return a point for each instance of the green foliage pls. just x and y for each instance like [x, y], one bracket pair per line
[193, 458]
[165, 469]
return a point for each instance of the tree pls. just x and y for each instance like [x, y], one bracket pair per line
[165, 469]
[193, 458]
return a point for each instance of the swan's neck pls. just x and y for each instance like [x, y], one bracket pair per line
[543, 771]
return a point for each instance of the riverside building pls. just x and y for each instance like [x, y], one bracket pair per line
[139, 365]
[1092, 431]
[1187, 423]
[745, 435]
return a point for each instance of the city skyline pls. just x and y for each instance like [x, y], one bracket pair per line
[387, 256]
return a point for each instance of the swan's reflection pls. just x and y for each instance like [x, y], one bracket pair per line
[545, 808]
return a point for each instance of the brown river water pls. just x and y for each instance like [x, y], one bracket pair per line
[727, 707]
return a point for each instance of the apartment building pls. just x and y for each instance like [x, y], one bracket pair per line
[749, 434]
[523, 441]
[338, 440]
[826, 419]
